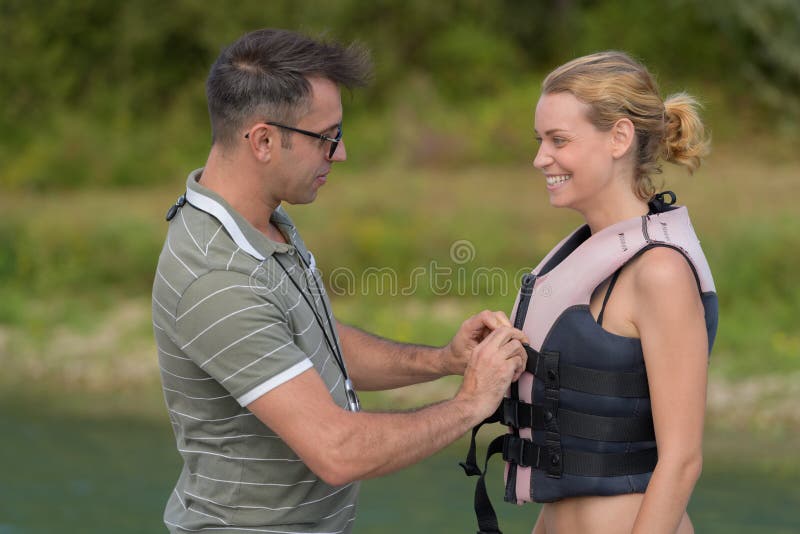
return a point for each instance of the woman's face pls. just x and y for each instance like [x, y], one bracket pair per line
[574, 155]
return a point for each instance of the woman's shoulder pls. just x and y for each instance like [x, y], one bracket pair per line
[662, 272]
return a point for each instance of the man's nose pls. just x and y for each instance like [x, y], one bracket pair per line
[341, 152]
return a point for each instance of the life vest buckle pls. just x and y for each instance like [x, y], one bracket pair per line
[510, 412]
[517, 450]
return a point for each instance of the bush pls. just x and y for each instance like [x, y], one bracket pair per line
[113, 94]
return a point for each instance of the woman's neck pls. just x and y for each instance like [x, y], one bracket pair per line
[603, 214]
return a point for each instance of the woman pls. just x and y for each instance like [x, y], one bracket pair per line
[621, 314]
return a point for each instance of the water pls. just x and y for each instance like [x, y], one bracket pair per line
[72, 474]
[731, 498]
[67, 473]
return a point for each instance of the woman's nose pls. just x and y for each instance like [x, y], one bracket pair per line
[542, 158]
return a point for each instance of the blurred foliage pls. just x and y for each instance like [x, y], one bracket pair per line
[758, 298]
[79, 259]
[111, 93]
[99, 95]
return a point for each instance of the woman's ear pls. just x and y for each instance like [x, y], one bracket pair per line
[623, 135]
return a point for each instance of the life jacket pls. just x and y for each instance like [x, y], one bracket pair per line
[579, 417]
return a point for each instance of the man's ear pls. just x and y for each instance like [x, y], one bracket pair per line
[263, 140]
[623, 135]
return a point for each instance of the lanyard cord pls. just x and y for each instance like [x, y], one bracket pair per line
[353, 403]
[319, 291]
[337, 355]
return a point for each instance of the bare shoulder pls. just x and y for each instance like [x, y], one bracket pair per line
[663, 271]
[668, 310]
[666, 292]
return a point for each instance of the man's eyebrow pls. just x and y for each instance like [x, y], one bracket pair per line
[332, 126]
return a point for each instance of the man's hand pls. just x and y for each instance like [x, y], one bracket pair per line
[342, 446]
[456, 354]
[495, 363]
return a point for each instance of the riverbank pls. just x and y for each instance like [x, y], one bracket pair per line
[115, 353]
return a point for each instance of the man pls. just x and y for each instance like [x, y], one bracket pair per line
[258, 377]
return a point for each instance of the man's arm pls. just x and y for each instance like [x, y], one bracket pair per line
[341, 446]
[375, 363]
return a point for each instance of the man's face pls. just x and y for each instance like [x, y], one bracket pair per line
[303, 168]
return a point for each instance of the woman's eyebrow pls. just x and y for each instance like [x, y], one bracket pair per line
[550, 131]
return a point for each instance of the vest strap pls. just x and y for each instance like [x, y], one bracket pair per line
[484, 511]
[594, 381]
[525, 453]
[519, 414]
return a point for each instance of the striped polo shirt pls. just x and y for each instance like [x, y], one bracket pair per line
[230, 325]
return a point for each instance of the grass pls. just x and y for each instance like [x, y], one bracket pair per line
[76, 267]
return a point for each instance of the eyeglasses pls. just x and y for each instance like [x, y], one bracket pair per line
[334, 141]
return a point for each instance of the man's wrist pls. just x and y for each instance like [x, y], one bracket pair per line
[464, 406]
[445, 359]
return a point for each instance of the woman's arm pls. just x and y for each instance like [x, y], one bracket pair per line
[671, 322]
[539, 527]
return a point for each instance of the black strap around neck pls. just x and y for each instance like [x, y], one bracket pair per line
[608, 295]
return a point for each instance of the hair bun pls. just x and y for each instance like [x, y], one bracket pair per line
[685, 141]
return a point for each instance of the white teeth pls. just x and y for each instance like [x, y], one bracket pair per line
[560, 179]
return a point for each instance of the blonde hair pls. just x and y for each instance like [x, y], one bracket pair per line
[615, 87]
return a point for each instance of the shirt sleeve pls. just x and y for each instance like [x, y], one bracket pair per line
[238, 334]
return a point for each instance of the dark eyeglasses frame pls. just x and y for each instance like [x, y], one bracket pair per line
[334, 141]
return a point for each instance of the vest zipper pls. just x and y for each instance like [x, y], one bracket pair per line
[525, 294]
[644, 229]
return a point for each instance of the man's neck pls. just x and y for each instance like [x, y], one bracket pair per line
[241, 187]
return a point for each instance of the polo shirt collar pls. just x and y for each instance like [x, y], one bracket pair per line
[241, 231]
